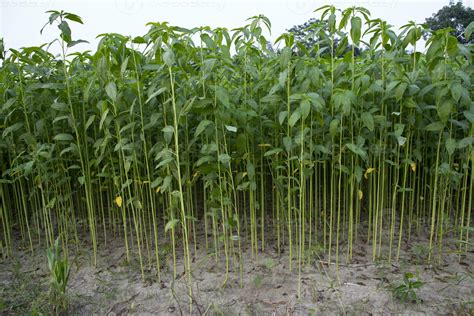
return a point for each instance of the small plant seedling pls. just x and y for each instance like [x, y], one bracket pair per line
[270, 264]
[60, 271]
[258, 280]
[406, 292]
[314, 253]
[420, 253]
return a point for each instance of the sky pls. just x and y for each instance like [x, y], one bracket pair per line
[21, 20]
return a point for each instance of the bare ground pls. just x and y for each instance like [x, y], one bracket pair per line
[268, 287]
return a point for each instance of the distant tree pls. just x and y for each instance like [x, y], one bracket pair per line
[455, 16]
[302, 32]
[313, 34]
[2, 49]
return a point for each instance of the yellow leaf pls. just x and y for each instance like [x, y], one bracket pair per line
[360, 194]
[413, 166]
[368, 171]
[264, 145]
[158, 189]
[118, 201]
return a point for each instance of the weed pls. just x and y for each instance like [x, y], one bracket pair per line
[406, 291]
[420, 253]
[60, 270]
[258, 280]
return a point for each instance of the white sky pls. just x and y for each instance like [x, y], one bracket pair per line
[21, 20]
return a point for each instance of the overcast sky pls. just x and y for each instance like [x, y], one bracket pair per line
[21, 20]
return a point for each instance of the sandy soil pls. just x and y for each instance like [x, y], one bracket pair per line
[269, 288]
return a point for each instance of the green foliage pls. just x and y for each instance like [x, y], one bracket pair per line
[457, 17]
[406, 291]
[258, 280]
[2, 49]
[312, 37]
[177, 131]
[314, 253]
[60, 269]
[270, 264]
[420, 253]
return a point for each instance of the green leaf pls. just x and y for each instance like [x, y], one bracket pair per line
[456, 91]
[250, 170]
[165, 162]
[342, 46]
[231, 128]
[168, 57]
[60, 106]
[469, 116]
[208, 41]
[203, 160]
[356, 26]
[400, 90]
[111, 90]
[223, 96]
[65, 31]
[166, 183]
[435, 127]
[126, 166]
[357, 150]
[434, 49]
[358, 172]
[11, 129]
[273, 152]
[102, 118]
[224, 159]
[317, 101]
[171, 224]
[343, 99]
[468, 31]
[168, 131]
[89, 121]
[334, 127]
[305, 108]
[450, 145]
[63, 137]
[73, 17]
[202, 127]
[452, 46]
[139, 40]
[156, 182]
[401, 140]
[332, 22]
[282, 116]
[282, 78]
[295, 116]
[156, 93]
[69, 150]
[399, 128]
[368, 121]
[467, 141]
[9, 102]
[51, 86]
[74, 43]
